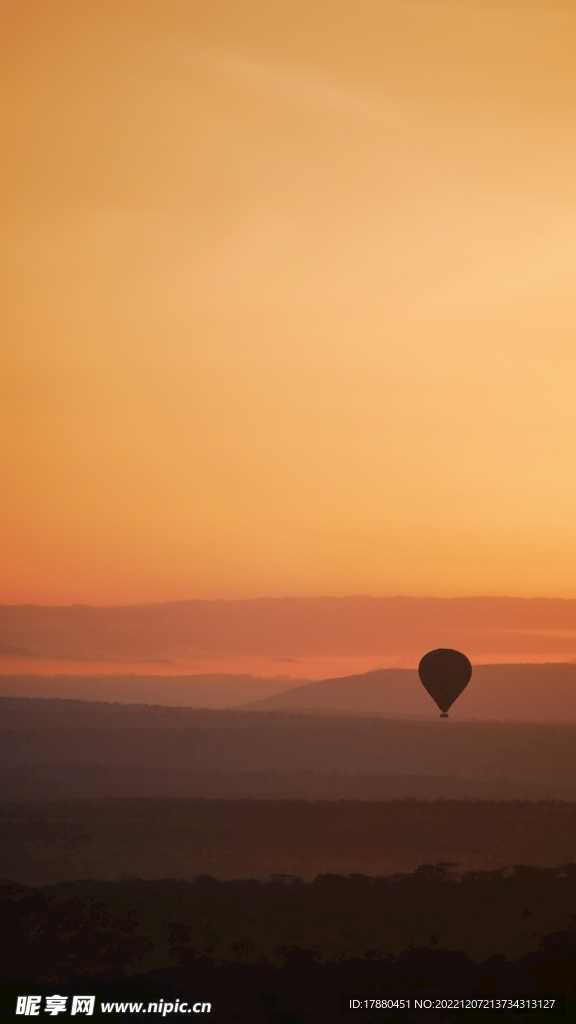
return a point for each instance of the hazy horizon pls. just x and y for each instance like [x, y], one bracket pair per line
[292, 638]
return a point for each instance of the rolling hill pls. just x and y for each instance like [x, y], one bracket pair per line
[213, 690]
[51, 747]
[522, 693]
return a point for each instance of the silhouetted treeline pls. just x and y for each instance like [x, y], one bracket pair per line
[287, 947]
[44, 841]
[85, 781]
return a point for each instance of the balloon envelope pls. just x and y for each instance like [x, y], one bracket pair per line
[444, 673]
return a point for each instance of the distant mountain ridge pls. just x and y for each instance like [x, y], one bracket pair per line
[212, 690]
[523, 693]
[279, 631]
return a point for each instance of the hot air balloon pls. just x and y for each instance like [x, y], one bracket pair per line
[444, 673]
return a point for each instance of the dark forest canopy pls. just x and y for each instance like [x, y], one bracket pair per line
[107, 929]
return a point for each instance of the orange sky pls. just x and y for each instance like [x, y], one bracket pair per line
[289, 301]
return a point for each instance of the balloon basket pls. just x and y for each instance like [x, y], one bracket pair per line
[444, 714]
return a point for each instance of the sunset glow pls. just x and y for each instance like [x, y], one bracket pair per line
[289, 302]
